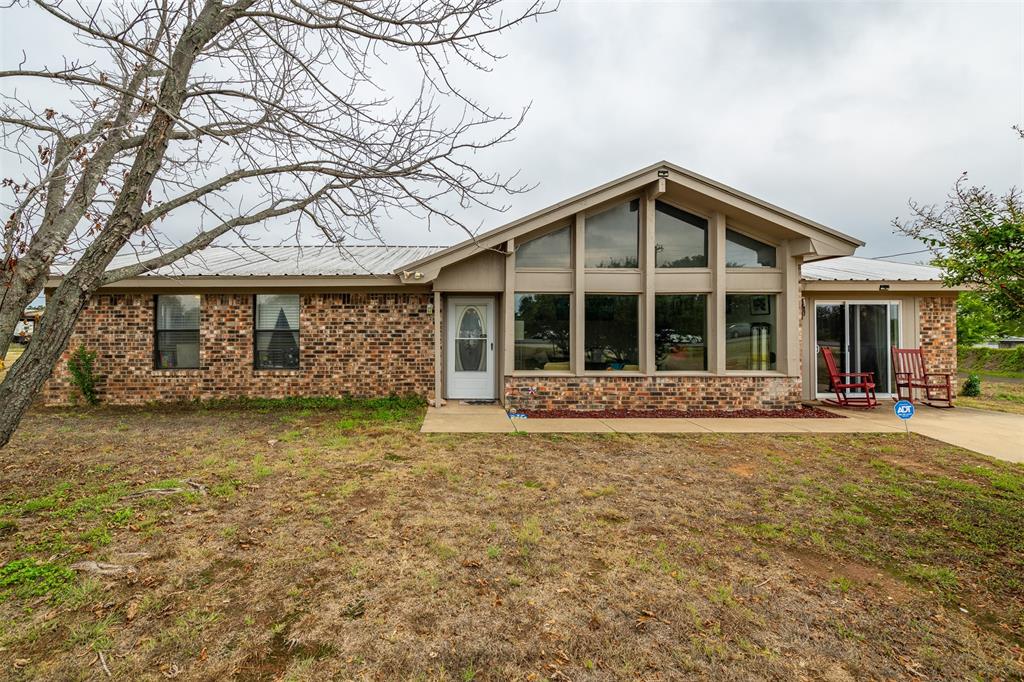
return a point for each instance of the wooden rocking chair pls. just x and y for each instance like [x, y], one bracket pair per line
[843, 382]
[910, 372]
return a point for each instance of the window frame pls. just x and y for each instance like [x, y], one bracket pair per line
[568, 226]
[256, 332]
[723, 343]
[640, 337]
[572, 336]
[750, 234]
[707, 237]
[640, 243]
[156, 335]
[708, 326]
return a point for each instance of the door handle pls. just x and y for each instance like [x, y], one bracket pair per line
[492, 345]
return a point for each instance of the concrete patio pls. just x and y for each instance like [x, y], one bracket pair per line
[995, 434]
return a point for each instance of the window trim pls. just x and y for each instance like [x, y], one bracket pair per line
[640, 232]
[543, 233]
[157, 330]
[640, 340]
[572, 335]
[707, 335]
[256, 331]
[746, 232]
[707, 236]
[778, 353]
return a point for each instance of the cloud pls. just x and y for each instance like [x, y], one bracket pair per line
[840, 112]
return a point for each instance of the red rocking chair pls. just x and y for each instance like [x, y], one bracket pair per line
[911, 373]
[843, 382]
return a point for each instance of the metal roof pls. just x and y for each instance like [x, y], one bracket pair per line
[858, 269]
[307, 261]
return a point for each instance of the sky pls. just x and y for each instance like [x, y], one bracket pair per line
[840, 112]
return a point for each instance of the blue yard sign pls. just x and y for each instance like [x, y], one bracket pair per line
[904, 409]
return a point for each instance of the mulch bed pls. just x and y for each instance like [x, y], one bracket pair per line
[792, 413]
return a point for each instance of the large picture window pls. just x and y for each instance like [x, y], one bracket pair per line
[750, 331]
[612, 332]
[553, 250]
[681, 238]
[177, 332]
[680, 332]
[611, 238]
[542, 332]
[742, 251]
[277, 331]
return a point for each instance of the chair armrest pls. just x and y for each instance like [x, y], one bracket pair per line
[856, 374]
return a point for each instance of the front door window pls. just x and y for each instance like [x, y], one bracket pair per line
[471, 340]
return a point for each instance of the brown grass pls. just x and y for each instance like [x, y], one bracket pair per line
[345, 544]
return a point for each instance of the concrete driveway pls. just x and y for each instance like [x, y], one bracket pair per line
[996, 434]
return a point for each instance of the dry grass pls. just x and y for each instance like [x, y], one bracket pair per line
[1001, 396]
[14, 352]
[345, 544]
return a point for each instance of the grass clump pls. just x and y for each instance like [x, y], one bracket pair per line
[30, 578]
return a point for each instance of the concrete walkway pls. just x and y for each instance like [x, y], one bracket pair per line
[991, 433]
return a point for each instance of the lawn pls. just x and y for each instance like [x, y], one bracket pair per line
[276, 542]
[1001, 396]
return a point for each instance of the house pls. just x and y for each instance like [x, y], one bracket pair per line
[659, 289]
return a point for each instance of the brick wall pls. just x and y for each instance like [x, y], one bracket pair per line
[359, 344]
[937, 321]
[652, 392]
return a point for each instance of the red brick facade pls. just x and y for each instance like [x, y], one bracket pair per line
[359, 344]
[937, 320]
[652, 392]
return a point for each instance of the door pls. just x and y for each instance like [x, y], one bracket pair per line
[470, 349]
[860, 335]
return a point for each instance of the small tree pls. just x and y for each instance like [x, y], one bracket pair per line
[977, 238]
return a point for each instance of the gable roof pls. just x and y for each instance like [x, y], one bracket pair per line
[858, 269]
[658, 172]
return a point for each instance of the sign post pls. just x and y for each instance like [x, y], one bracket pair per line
[904, 409]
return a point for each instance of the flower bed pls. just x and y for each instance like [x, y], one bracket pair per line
[796, 413]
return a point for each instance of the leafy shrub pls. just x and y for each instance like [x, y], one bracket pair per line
[83, 374]
[30, 578]
[972, 387]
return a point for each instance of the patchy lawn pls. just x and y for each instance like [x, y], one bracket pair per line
[1001, 396]
[274, 542]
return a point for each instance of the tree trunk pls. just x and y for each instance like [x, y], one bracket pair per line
[33, 368]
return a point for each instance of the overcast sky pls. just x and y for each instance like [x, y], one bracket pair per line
[838, 112]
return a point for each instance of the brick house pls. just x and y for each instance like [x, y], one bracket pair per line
[659, 289]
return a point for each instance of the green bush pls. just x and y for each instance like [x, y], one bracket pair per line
[83, 373]
[972, 387]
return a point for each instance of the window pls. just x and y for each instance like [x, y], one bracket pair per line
[177, 332]
[680, 326]
[611, 337]
[277, 331]
[742, 251]
[553, 250]
[681, 238]
[542, 332]
[750, 333]
[611, 238]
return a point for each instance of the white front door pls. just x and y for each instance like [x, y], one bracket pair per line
[470, 342]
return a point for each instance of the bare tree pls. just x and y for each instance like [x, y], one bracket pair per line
[232, 115]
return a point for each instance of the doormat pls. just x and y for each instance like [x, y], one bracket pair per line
[479, 402]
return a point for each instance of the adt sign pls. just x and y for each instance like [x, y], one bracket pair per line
[904, 409]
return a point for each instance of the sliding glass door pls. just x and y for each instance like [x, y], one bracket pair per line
[859, 335]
